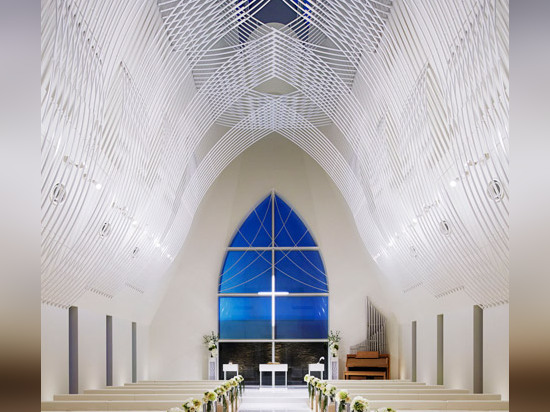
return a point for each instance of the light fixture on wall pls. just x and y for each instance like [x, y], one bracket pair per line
[105, 230]
[272, 293]
[58, 194]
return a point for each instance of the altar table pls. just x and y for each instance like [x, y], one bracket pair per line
[267, 367]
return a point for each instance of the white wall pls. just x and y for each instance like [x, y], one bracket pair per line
[458, 348]
[54, 351]
[189, 308]
[91, 350]
[496, 350]
[426, 350]
[404, 367]
[142, 352]
[122, 351]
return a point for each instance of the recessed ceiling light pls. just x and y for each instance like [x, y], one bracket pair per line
[452, 183]
[98, 186]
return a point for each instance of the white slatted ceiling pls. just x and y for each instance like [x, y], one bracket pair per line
[418, 92]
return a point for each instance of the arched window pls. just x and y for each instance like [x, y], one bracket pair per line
[273, 287]
[273, 283]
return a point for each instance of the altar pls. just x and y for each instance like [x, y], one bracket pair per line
[274, 367]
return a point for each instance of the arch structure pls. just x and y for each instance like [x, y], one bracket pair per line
[403, 103]
[273, 286]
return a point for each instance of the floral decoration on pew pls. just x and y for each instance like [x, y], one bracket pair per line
[209, 399]
[233, 391]
[320, 386]
[359, 404]
[307, 379]
[311, 385]
[342, 396]
[220, 391]
[240, 382]
[329, 391]
[189, 405]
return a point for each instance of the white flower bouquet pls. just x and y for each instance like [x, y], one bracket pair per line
[330, 390]
[211, 342]
[240, 383]
[342, 397]
[221, 391]
[386, 410]
[333, 341]
[359, 404]
[192, 405]
[208, 400]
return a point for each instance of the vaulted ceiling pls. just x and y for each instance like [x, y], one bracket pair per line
[403, 103]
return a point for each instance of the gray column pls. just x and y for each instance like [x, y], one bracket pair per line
[73, 349]
[134, 352]
[109, 350]
[478, 349]
[413, 344]
[440, 349]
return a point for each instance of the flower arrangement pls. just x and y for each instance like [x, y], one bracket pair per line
[233, 388]
[208, 400]
[330, 390]
[333, 341]
[359, 404]
[321, 385]
[343, 397]
[211, 342]
[240, 383]
[221, 391]
[386, 410]
[192, 405]
[309, 379]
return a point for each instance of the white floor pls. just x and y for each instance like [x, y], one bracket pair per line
[278, 399]
[283, 400]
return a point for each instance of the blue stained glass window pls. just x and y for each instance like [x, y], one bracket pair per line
[255, 263]
[289, 228]
[300, 272]
[245, 317]
[256, 229]
[246, 272]
[301, 317]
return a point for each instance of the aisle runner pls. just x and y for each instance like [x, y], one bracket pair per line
[265, 399]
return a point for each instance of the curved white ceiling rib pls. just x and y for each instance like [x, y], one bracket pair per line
[403, 103]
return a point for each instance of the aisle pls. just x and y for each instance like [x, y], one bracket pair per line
[280, 400]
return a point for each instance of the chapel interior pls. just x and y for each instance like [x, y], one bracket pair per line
[257, 192]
